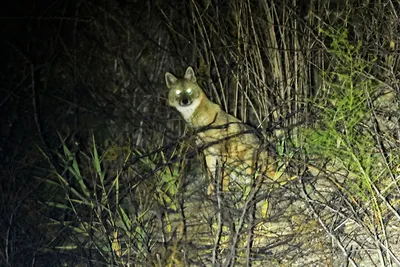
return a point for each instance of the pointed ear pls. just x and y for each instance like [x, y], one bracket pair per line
[170, 79]
[189, 75]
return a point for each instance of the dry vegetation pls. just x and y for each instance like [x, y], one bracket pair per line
[97, 170]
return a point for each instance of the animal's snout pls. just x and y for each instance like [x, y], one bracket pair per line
[185, 102]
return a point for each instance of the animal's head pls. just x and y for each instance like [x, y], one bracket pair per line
[184, 93]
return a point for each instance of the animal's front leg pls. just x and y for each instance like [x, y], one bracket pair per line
[216, 172]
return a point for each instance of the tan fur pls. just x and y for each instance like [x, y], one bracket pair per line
[229, 144]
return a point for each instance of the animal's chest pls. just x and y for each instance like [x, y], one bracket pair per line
[222, 141]
[228, 151]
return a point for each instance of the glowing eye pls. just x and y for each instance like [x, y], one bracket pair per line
[189, 91]
[178, 92]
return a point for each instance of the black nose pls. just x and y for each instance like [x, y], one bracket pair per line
[185, 102]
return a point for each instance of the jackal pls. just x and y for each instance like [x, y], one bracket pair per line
[231, 148]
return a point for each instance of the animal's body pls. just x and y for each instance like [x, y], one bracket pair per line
[230, 146]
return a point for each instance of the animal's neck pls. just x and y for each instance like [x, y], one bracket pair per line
[205, 114]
